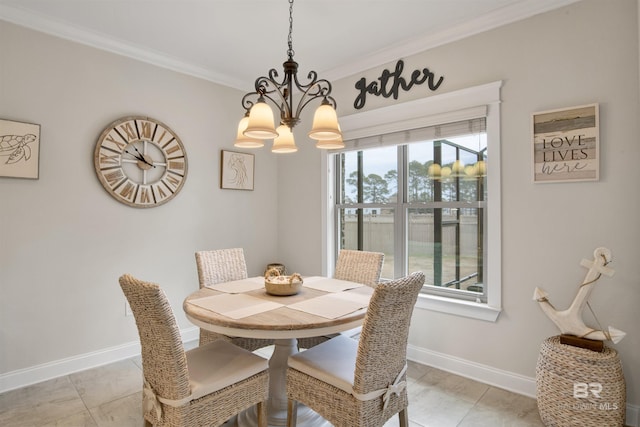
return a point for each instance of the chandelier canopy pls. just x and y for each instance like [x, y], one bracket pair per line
[258, 124]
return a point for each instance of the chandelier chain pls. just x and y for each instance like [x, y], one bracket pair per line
[290, 51]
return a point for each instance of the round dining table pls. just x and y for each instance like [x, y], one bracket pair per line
[284, 325]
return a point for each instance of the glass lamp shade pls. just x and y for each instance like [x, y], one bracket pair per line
[325, 123]
[458, 168]
[244, 141]
[260, 124]
[330, 144]
[284, 142]
[477, 170]
[470, 171]
[434, 171]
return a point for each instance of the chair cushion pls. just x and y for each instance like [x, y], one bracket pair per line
[220, 364]
[333, 362]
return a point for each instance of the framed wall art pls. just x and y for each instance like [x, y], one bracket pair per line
[19, 149]
[566, 144]
[236, 170]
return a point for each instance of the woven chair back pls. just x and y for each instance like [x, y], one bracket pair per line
[164, 362]
[220, 265]
[382, 349]
[359, 266]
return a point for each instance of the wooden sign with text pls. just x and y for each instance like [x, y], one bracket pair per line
[566, 144]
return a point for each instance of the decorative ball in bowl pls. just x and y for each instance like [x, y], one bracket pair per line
[275, 284]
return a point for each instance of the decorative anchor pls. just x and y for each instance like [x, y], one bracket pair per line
[570, 320]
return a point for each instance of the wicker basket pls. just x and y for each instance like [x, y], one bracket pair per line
[579, 387]
[275, 284]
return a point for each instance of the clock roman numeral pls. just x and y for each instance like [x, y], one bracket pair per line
[146, 195]
[113, 177]
[128, 192]
[128, 129]
[109, 159]
[172, 180]
[151, 194]
[158, 139]
[145, 130]
[174, 164]
[119, 145]
[159, 192]
[175, 147]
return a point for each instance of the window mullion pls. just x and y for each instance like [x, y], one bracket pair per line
[360, 197]
[401, 266]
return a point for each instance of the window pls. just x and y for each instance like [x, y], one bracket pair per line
[421, 189]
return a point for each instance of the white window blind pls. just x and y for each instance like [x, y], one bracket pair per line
[429, 133]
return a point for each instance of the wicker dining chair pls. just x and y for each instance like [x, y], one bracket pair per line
[359, 266]
[360, 383]
[203, 386]
[355, 266]
[218, 266]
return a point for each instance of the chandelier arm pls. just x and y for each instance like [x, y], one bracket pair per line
[279, 94]
[319, 89]
[280, 105]
[322, 86]
[247, 102]
[304, 101]
[312, 78]
[273, 78]
[266, 86]
[313, 90]
[261, 85]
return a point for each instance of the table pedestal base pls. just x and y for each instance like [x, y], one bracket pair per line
[306, 418]
[277, 405]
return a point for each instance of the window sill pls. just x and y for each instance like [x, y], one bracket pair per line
[456, 307]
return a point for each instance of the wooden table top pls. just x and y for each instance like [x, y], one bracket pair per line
[282, 322]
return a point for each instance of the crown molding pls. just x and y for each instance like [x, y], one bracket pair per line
[101, 41]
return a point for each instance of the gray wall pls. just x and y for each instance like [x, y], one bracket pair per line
[583, 53]
[65, 241]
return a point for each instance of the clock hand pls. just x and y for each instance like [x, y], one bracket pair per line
[142, 157]
[134, 155]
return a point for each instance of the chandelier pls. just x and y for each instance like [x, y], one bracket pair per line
[257, 125]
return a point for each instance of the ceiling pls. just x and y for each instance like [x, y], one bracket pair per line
[232, 42]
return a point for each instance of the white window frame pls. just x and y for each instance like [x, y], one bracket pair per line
[445, 108]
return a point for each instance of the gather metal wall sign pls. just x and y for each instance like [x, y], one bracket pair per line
[390, 82]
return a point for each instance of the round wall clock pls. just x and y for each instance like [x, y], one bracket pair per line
[140, 161]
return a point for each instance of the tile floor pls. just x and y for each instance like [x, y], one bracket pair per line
[111, 396]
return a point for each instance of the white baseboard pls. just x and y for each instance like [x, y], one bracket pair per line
[633, 416]
[46, 371]
[476, 371]
[492, 376]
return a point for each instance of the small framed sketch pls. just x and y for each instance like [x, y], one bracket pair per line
[566, 144]
[236, 170]
[19, 149]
